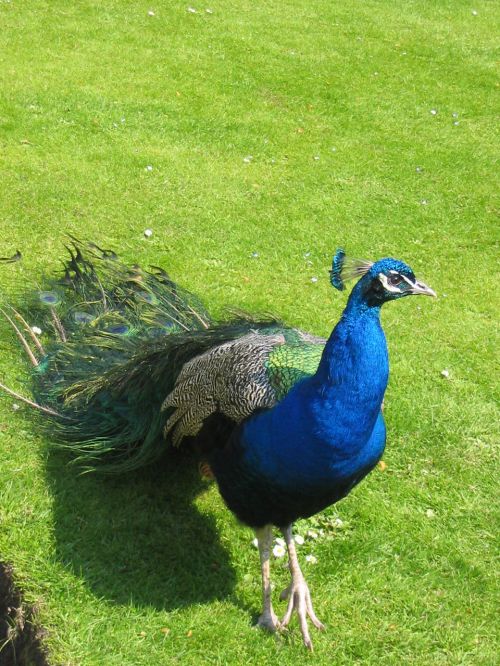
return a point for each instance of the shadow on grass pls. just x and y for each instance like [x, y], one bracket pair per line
[139, 538]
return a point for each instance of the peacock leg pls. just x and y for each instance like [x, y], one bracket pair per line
[299, 597]
[268, 620]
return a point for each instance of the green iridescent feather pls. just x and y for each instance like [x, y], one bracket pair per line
[289, 363]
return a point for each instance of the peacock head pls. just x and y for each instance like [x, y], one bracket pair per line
[382, 281]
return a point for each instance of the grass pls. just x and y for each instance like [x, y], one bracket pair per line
[333, 103]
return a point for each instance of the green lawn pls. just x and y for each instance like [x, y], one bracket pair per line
[278, 129]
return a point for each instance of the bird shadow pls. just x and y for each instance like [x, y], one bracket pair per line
[139, 538]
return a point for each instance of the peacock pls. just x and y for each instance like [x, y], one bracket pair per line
[287, 423]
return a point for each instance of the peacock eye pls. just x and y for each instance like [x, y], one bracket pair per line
[394, 280]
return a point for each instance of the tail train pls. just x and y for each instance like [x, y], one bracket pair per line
[114, 341]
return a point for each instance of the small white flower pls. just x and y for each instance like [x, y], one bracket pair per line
[255, 255]
[151, 13]
[445, 374]
[456, 122]
[316, 157]
[430, 513]
[255, 542]
[148, 233]
[433, 112]
[307, 254]
[209, 11]
[419, 169]
[15, 406]
[311, 559]
[338, 522]
[455, 114]
[278, 551]
[191, 10]
[248, 159]
[280, 541]
[298, 539]
[122, 120]
[334, 150]
[424, 202]
[36, 330]
[314, 279]
[149, 167]
[474, 12]
[312, 534]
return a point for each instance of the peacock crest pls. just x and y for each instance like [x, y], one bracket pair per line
[347, 268]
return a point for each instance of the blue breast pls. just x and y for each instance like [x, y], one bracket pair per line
[316, 444]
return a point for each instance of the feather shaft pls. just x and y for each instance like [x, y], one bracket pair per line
[29, 330]
[21, 337]
[31, 403]
[58, 325]
[200, 319]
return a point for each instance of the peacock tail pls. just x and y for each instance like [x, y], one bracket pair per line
[135, 363]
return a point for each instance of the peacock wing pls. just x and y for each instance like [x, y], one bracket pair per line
[239, 377]
[230, 378]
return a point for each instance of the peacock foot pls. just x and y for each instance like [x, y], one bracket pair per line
[299, 599]
[269, 621]
[286, 593]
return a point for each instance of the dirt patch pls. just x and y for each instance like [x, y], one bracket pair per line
[20, 635]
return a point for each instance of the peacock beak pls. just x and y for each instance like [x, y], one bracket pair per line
[421, 288]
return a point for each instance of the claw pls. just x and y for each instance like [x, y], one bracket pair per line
[299, 599]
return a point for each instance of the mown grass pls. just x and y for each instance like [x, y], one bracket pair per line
[331, 104]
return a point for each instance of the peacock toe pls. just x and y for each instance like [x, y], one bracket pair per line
[269, 621]
[299, 599]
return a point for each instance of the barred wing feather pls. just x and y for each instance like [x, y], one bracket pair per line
[239, 377]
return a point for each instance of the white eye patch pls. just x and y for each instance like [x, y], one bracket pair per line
[390, 287]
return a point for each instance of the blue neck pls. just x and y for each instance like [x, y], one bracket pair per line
[355, 356]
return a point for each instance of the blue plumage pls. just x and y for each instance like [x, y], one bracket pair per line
[321, 439]
[286, 422]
